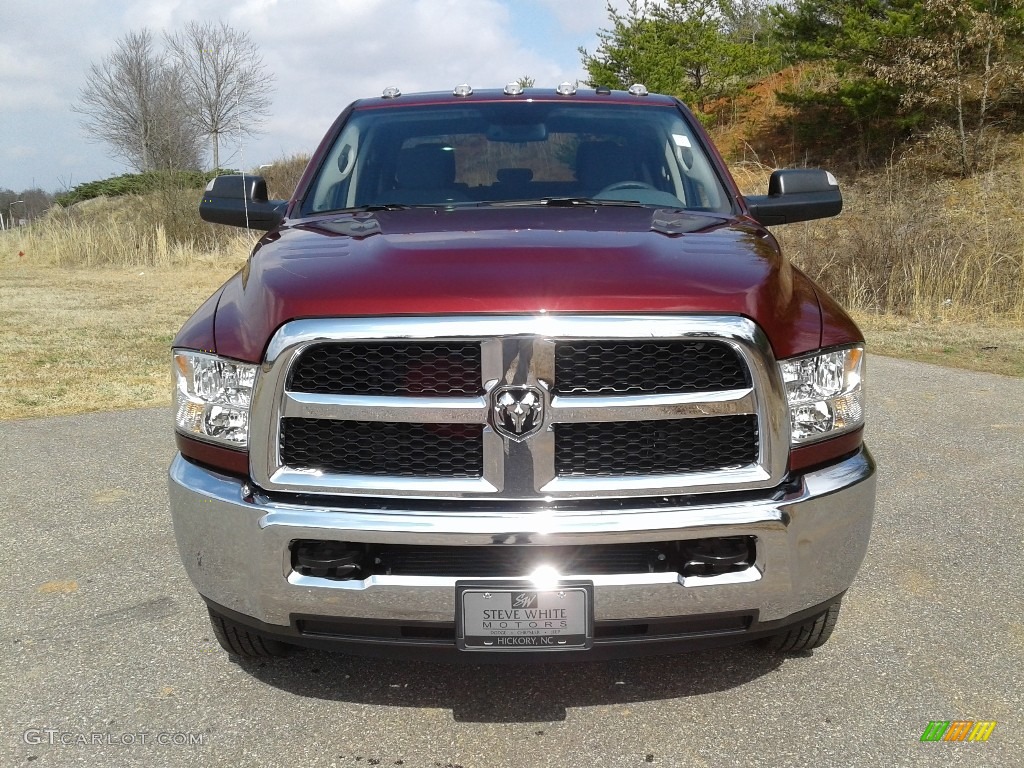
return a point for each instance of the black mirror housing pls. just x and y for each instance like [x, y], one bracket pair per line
[240, 200]
[798, 194]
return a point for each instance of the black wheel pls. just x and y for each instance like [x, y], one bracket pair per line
[813, 633]
[244, 642]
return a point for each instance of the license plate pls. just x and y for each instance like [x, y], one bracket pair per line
[516, 616]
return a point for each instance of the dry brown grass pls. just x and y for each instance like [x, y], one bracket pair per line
[91, 297]
[121, 232]
[92, 340]
[992, 347]
[283, 175]
[945, 251]
[159, 229]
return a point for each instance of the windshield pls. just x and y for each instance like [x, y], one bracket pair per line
[517, 153]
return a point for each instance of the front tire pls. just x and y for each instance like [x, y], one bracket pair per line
[244, 642]
[812, 634]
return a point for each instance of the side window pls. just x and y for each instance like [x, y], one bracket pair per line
[691, 171]
[336, 186]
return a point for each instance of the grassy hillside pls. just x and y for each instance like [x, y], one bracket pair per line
[139, 220]
[909, 246]
[915, 240]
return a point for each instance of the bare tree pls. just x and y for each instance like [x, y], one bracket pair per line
[748, 21]
[225, 84]
[176, 137]
[132, 101]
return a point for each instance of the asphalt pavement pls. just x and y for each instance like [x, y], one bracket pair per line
[109, 659]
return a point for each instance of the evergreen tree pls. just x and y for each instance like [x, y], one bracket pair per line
[698, 50]
[938, 66]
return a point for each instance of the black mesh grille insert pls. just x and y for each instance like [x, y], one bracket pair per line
[422, 369]
[620, 367]
[520, 561]
[383, 448]
[655, 447]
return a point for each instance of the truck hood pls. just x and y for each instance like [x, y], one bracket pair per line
[512, 261]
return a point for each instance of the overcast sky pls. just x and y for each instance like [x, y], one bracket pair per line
[324, 54]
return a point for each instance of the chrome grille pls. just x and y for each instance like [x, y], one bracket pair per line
[425, 407]
[655, 447]
[624, 367]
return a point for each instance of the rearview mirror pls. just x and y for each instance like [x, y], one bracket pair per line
[517, 133]
[798, 194]
[241, 201]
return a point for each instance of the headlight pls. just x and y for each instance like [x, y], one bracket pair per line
[825, 393]
[213, 396]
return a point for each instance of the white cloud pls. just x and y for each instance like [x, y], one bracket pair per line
[582, 18]
[324, 54]
[19, 152]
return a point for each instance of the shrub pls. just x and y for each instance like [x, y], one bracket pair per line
[283, 176]
[136, 184]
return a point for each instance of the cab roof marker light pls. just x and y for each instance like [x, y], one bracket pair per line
[638, 89]
[566, 89]
[391, 92]
[603, 90]
[463, 90]
[513, 89]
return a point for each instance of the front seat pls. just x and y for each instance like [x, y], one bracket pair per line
[425, 175]
[600, 164]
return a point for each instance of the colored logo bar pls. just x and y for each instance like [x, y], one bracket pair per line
[958, 730]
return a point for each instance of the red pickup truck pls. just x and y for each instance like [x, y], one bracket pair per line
[520, 374]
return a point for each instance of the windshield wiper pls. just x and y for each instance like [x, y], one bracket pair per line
[563, 202]
[571, 201]
[375, 207]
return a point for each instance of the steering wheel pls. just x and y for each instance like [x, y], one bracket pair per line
[621, 186]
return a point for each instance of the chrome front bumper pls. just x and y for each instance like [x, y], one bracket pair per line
[810, 543]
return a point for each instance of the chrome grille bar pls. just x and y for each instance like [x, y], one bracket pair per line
[417, 410]
[604, 408]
